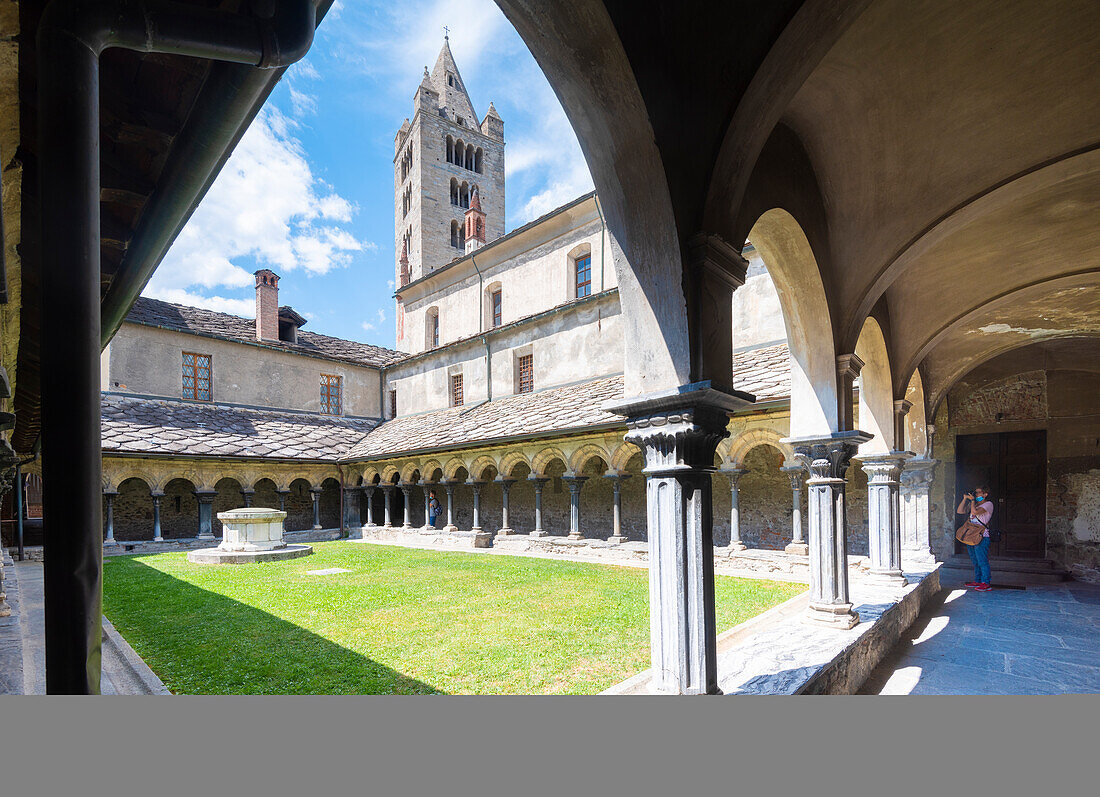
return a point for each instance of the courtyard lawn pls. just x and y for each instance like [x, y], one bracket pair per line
[402, 621]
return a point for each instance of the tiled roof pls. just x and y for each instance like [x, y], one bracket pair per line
[153, 312]
[152, 426]
[547, 412]
[765, 372]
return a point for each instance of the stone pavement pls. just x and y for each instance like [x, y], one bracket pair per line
[1039, 640]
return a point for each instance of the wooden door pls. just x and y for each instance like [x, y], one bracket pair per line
[1013, 464]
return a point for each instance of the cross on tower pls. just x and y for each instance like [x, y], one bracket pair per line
[446, 33]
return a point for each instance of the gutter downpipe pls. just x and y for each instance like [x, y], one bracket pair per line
[481, 329]
[71, 37]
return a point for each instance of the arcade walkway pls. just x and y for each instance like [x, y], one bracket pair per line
[1041, 640]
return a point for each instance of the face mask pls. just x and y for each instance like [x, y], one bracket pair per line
[980, 498]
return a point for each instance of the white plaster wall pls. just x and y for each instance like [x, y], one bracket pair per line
[148, 361]
[757, 313]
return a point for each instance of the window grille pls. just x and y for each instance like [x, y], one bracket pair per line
[526, 366]
[330, 394]
[393, 402]
[584, 276]
[196, 377]
[456, 390]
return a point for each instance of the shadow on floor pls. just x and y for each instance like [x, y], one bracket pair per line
[211, 644]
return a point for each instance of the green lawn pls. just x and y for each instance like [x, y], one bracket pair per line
[403, 621]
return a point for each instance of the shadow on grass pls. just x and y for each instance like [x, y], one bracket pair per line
[200, 642]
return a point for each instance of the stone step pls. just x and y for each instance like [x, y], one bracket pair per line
[1015, 571]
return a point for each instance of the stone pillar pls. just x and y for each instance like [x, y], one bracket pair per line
[734, 475]
[476, 487]
[796, 473]
[827, 460]
[157, 536]
[617, 535]
[282, 498]
[387, 492]
[109, 497]
[883, 517]
[575, 483]
[539, 482]
[505, 521]
[450, 488]
[351, 508]
[206, 513]
[316, 493]
[678, 433]
[427, 490]
[406, 519]
[915, 508]
[247, 496]
[369, 490]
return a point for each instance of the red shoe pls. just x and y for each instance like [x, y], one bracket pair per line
[972, 583]
[983, 588]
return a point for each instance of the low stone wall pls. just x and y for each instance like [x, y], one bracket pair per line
[36, 554]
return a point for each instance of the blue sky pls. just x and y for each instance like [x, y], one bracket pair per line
[308, 192]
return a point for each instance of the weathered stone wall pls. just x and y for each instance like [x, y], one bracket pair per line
[179, 510]
[765, 501]
[133, 511]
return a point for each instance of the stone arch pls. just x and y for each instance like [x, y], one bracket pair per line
[916, 420]
[299, 504]
[583, 454]
[623, 454]
[480, 465]
[876, 392]
[389, 471]
[116, 474]
[266, 495]
[794, 269]
[511, 460]
[429, 472]
[410, 470]
[179, 510]
[746, 442]
[452, 467]
[371, 475]
[543, 458]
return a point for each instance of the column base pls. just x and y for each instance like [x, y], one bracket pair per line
[616, 539]
[317, 528]
[158, 539]
[886, 578]
[736, 547]
[111, 543]
[482, 539]
[406, 525]
[839, 616]
[575, 536]
[923, 556]
[797, 549]
[506, 532]
[371, 525]
[450, 527]
[537, 534]
[206, 537]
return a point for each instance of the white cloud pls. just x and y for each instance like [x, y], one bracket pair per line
[380, 319]
[302, 104]
[241, 307]
[265, 210]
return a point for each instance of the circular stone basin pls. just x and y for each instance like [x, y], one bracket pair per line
[216, 556]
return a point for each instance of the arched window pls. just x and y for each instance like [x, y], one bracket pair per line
[480, 233]
[431, 331]
[460, 153]
[454, 234]
[493, 311]
[470, 157]
[582, 269]
[450, 150]
[477, 160]
[454, 191]
[464, 195]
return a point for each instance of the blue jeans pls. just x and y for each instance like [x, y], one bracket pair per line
[979, 555]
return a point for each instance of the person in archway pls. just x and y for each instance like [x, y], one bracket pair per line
[433, 508]
[980, 509]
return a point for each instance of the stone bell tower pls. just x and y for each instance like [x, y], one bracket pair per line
[441, 158]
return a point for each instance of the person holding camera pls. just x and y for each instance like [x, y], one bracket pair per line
[980, 509]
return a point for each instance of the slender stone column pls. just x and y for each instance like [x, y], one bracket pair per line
[247, 496]
[617, 535]
[575, 483]
[157, 535]
[351, 508]
[427, 490]
[883, 517]
[915, 508]
[109, 497]
[406, 520]
[734, 475]
[796, 473]
[316, 493]
[476, 487]
[678, 432]
[369, 490]
[206, 513]
[827, 460]
[539, 482]
[282, 498]
[450, 488]
[506, 526]
[387, 491]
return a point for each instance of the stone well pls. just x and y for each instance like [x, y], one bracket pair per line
[250, 534]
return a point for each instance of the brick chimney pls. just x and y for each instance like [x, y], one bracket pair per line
[267, 305]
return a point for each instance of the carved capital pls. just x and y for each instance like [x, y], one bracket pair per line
[918, 475]
[733, 474]
[717, 259]
[796, 472]
[828, 457]
[883, 469]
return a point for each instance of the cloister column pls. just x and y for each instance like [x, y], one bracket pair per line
[316, 493]
[796, 473]
[734, 475]
[575, 483]
[883, 517]
[450, 488]
[539, 482]
[351, 508]
[678, 433]
[915, 509]
[617, 507]
[505, 527]
[369, 490]
[406, 519]
[282, 498]
[109, 497]
[827, 460]
[206, 513]
[387, 491]
[476, 487]
[157, 535]
[247, 496]
[427, 490]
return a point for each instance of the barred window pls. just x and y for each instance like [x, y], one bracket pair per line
[525, 365]
[584, 276]
[496, 302]
[196, 377]
[456, 390]
[330, 394]
[393, 402]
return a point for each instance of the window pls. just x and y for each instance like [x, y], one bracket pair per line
[435, 331]
[393, 402]
[330, 394]
[456, 390]
[525, 373]
[450, 80]
[495, 303]
[477, 160]
[196, 377]
[583, 265]
[431, 328]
